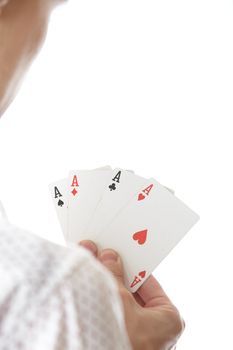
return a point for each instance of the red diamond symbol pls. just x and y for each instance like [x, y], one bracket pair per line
[74, 191]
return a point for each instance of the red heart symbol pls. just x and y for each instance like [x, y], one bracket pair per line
[140, 236]
[141, 197]
[142, 274]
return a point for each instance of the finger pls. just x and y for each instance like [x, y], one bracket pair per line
[112, 261]
[138, 299]
[89, 245]
[152, 293]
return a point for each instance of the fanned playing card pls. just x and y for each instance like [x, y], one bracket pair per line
[146, 231]
[58, 192]
[120, 188]
[85, 190]
[139, 218]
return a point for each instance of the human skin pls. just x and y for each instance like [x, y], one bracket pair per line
[23, 26]
[152, 321]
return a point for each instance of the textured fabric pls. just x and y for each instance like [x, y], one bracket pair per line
[54, 298]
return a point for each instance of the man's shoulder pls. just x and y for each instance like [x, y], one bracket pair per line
[27, 259]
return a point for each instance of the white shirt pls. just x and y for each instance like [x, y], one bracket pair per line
[55, 298]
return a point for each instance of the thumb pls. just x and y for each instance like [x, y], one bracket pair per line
[112, 261]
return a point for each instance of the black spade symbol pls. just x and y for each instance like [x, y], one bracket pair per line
[60, 203]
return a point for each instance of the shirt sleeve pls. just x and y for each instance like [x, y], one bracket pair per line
[101, 313]
[54, 298]
[84, 313]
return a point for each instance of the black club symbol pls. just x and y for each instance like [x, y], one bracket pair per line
[112, 187]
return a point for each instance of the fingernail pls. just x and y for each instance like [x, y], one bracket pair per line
[108, 255]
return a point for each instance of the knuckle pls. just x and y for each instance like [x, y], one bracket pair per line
[176, 322]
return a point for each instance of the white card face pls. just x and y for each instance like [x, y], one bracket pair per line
[58, 192]
[85, 190]
[120, 188]
[146, 231]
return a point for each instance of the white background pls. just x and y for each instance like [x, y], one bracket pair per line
[145, 85]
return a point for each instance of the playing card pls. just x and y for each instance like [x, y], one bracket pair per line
[106, 167]
[146, 230]
[85, 190]
[120, 188]
[58, 192]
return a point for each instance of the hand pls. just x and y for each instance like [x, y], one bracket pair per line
[152, 321]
